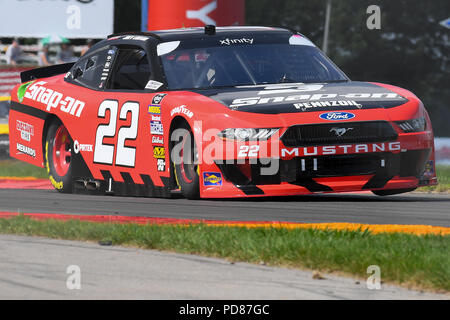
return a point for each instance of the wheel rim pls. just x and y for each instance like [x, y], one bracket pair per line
[62, 154]
[187, 170]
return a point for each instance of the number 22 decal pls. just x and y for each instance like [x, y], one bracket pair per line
[250, 151]
[104, 153]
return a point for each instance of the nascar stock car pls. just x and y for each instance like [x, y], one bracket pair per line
[217, 112]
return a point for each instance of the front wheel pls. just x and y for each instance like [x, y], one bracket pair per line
[185, 162]
[58, 157]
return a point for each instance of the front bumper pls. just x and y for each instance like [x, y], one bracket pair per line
[409, 165]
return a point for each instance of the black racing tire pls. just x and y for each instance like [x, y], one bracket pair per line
[59, 164]
[391, 192]
[186, 167]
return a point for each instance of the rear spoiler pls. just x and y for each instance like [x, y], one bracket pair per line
[45, 72]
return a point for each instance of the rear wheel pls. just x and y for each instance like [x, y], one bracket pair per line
[185, 162]
[58, 156]
[391, 192]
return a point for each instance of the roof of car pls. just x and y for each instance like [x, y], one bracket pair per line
[183, 33]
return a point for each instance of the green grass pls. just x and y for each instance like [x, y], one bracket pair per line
[15, 168]
[416, 261]
[443, 175]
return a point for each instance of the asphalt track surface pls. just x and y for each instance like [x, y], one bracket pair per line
[412, 208]
[36, 268]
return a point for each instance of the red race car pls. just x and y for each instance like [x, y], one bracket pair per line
[217, 112]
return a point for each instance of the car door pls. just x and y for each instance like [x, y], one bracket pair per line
[122, 131]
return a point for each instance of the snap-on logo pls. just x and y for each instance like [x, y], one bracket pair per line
[337, 116]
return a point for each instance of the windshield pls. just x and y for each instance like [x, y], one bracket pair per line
[225, 66]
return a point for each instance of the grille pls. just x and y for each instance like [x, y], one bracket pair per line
[383, 165]
[338, 133]
[342, 165]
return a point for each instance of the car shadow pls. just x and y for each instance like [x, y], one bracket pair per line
[344, 197]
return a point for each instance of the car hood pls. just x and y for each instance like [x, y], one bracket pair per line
[300, 97]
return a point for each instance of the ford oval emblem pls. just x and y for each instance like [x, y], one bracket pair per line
[337, 116]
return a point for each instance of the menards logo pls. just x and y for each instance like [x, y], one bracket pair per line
[54, 99]
[159, 152]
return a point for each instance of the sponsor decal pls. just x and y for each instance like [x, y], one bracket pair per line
[159, 152]
[158, 98]
[337, 116]
[152, 109]
[77, 147]
[26, 130]
[153, 85]
[340, 131]
[54, 99]
[229, 42]
[309, 97]
[161, 165]
[106, 68]
[342, 149]
[22, 89]
[157, 140]
[212, 179]
[182, 110]
[26, 150]
[156, 127]
[156, 118]
[343, 103]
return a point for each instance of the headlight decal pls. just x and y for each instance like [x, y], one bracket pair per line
[248, 134]
[414, 125]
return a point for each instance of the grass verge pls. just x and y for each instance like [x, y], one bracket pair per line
[15, 168]
[409, 260]
[443, 175]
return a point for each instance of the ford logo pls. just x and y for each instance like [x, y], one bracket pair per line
[337, 116]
